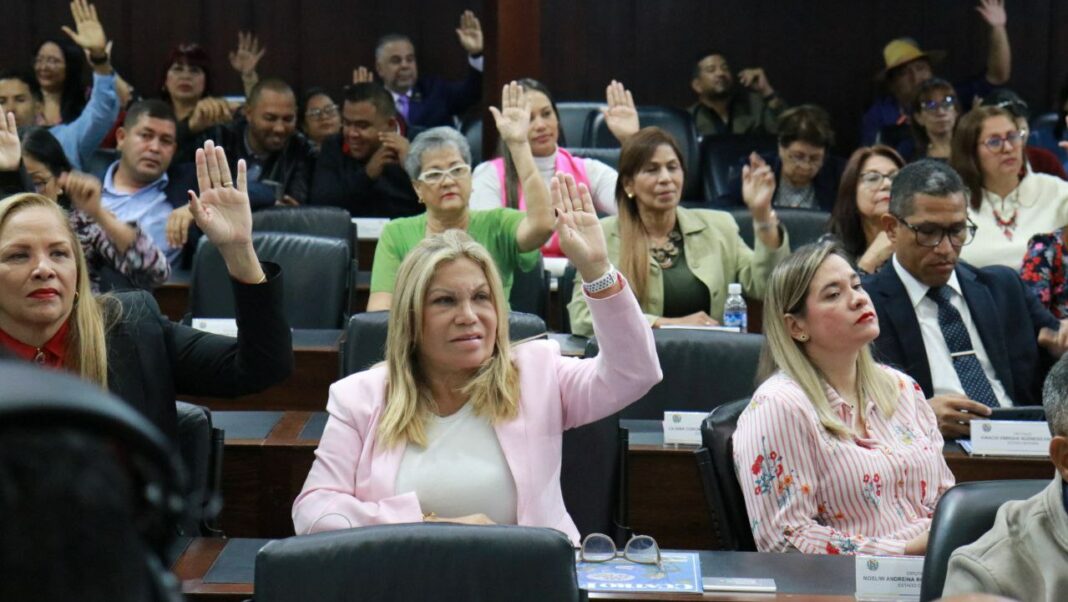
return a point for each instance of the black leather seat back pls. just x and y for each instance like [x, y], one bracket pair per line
[804, 225]
[592, 479]
[315, 274]
[608, 156]
[963, 515]
[574, 119]
[331, 222]
[702, 370]
[530, 291]
[197, 446]
[422, 561]
[721, 157]
[363, 344]
[723, 493]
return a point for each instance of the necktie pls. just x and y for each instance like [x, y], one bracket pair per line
[402, 106]
[965, 362]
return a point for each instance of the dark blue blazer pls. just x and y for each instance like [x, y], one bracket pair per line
[1007, 316]
[435, 100]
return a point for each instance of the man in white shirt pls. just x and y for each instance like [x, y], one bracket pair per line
[973, 338]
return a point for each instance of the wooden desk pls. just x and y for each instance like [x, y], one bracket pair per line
[797, 576]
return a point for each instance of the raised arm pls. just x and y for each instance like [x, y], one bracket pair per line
[246, 57]
[999, 53]
[758, 190]
[620, 116]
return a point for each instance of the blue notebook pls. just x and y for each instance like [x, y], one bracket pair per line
[681, 574]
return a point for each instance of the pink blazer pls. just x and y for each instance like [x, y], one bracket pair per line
[352, 480]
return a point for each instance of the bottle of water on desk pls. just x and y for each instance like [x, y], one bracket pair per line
[734, 309]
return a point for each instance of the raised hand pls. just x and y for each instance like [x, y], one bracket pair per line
[83, 190]
[88, 32]
[248, 53]
[209, 112]
[993, 12]
[621, 116]
[758, 187]
[581, 237]
[362, 75]
[10, 147]
[756, 80]
[513, 118]
[470, 33]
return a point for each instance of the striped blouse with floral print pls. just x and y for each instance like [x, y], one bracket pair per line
[143, 263]
[807, 490]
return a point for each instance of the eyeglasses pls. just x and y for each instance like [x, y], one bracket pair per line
[437, 176]
[803, 159]
[641, 549]
[47, 61]
[185, 68]
[931, 235]
[946, 104]
[874, 179]
[322, 113]
[1015, 138]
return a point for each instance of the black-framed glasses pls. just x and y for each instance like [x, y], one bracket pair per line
[640, 549]
[1014, 138]
[874, 179]
[931, 235]
[946, 104]
[322, 112]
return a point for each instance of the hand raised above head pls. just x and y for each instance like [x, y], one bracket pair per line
[362, 75]
[621, 116]
[222, 210]
[513, 118]
[10, 147]
[470, 33]
[581, 237]
[993, 12]
[248, 53]
[88, 32]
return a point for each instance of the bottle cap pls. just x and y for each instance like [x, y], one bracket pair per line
[734, 288]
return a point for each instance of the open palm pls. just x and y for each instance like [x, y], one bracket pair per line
[513, 118]
[222, 210]
[89, 33]
[10, 148]
[581, 236]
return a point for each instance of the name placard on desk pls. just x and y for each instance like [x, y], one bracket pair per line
[683, 427]
[889, 577]
[1010, 438]
[224, 326]
[369, 228]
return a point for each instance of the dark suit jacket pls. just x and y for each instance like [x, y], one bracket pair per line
[152, 361]
[1007, 316]
[434, 100]
[341, 181]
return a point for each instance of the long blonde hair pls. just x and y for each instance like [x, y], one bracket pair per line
[493, 391]
[788, 289]
[88, 352]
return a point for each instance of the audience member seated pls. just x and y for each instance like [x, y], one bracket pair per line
[1007, 203]
[907, 66]
[1038, 159]
[1043, 271]
[1025, 554]
[971, 337]
[106, 240]
[863, 198]
[187, 88]
[496, 184]
[457, 425]
[807, 178]
[319, 116]
[362, 169]
[280, 159]
[725, 107]
[430, 101]
[679, 261]
[934, 111]
[59, 68]
[835, 453]
[439, 165]
[48, 313]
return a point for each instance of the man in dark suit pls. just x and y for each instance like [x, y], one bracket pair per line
[429, 101]
[973, 338]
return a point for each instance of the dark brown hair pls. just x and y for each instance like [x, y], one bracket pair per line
[924, 93]
[965, 155]
[845, 223]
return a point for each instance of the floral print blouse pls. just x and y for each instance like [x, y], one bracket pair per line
[808, 490]
[143, 263]
[1043, 271]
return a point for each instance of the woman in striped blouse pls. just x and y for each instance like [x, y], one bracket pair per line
[835, 454]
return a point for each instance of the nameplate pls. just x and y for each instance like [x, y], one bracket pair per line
[683, 427]
[889, 577]
[1010, 438]
[738, 584]
[224, 326]
[687, 327]
[369, 228]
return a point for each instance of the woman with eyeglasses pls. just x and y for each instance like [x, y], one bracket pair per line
[863, 198]
[934, 115]
[1008, 203]
[806, 175]
[320, 116]
[439, 163]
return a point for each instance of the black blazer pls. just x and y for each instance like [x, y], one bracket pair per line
[435, 100]
[152, 361]
[1007, 316]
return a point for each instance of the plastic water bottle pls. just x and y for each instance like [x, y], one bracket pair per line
[734, 309]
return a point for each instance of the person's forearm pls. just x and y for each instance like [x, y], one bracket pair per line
[121, 234]
[249, 81]
[242, 263]
[535, 192]
[999, 57]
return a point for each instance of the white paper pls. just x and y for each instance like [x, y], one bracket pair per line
[224, 326]
[1010, 438]
[738, 584]
[889, 577]
[683, 427]
[369, 228]
[719, 328]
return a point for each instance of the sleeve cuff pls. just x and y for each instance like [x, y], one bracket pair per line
[477, 63]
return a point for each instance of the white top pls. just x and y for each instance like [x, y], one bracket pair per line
[461, 471]
[486, 184]
[1041, 206]
[944, 377]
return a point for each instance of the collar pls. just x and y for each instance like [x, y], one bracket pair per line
[397, 95]
[918, 290]
[109, 182]
[687, 221]
[52, 354]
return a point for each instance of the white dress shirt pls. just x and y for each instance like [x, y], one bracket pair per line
[944, 377]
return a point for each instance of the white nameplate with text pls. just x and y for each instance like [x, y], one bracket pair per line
[889, 577]
[369, 228]
[224, 326]
[683, 427]
[1010, 438]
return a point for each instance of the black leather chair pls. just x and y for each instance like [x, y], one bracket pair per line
[573, 118]
[593, 471]
[723, 493]
[363, 343]
[422, 561]
[315, 272]
[530, 291]
[702, 370]
[963, 515]
[721, 156]
[201, 447]
[331, 222]
[608, 156]
[804, 225]
[472, 130]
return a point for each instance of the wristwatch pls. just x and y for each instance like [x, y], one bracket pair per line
[607, 281]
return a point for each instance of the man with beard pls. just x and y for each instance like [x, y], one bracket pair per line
[725, 108]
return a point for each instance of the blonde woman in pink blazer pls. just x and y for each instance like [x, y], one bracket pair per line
[458, 425]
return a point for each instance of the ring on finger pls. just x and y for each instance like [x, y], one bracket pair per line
[227, 184]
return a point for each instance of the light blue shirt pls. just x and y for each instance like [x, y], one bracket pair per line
[81, 137]
[148, 207]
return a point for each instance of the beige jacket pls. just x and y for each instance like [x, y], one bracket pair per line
[1024, 556]
[715, 253]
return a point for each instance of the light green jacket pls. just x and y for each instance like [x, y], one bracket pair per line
[715, 253]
